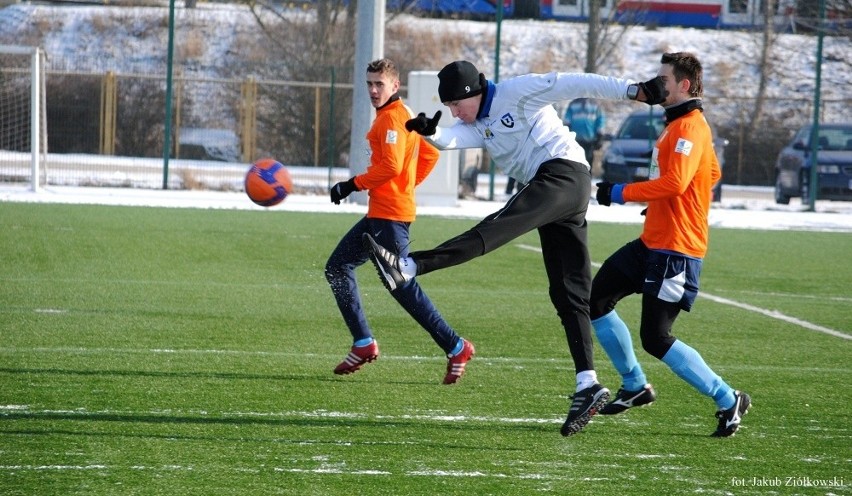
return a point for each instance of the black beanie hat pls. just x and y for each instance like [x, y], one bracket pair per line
[459, 80]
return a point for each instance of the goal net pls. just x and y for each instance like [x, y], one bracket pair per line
[23, 121]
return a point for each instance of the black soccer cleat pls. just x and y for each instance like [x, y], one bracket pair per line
[585, 404]
[387, 264]
[729, 420]
[625, 399]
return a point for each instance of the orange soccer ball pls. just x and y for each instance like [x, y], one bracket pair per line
[268, 182]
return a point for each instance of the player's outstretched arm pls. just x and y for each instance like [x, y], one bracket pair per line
[423, 125]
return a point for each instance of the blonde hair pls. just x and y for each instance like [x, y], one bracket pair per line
[384, 66]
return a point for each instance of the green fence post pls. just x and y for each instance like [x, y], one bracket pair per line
[331, 128]
[167, 142]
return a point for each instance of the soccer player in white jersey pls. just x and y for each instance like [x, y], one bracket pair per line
[516, 122]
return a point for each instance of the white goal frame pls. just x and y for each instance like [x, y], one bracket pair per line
[38, 124]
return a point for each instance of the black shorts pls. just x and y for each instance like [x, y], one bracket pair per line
[669, 276]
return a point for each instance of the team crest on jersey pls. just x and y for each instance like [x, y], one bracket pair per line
[390, 137]
[508, 120]
[683, 146]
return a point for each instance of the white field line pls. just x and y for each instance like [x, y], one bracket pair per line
[774, 314]
[797, 296]
[512, 362]
[82, 413]
[336, 470]
[777, 315]
[324, 469]
[17, 468]
[329, 470]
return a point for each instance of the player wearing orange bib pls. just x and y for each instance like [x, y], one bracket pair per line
[664, 264]
[685, 164]
[399, 161]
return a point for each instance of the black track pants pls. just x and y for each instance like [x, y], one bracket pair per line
[554, 202]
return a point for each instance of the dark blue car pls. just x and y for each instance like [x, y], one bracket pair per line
[834, 165]
[628, 158]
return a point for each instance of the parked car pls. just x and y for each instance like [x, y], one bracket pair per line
[221, 145]
[834, 165]
[628, 158]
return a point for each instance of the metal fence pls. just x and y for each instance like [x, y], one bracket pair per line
[107, 129]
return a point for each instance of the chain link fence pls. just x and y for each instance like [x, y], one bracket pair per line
[107, 129]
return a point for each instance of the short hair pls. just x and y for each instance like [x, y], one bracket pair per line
[384, 66]
[685, 65]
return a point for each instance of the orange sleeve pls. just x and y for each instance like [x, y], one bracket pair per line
[427, 157]
[717, 169]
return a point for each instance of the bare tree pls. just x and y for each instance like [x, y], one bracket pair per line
[751, 149]
[592, 36]
[304, 45]
[308, 45]
[765, 66]
[604, 35]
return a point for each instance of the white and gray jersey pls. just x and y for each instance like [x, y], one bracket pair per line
[519, 126]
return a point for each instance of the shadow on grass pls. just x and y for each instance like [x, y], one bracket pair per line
[312, 376]
[169, 375]
[263, 419]
[331, 423]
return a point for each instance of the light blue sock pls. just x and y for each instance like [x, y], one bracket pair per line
[363, 342]
[614, 338]
[689, 366]
[458, 349]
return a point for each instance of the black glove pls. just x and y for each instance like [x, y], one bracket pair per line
[654, 90]
[598, 141]
[342, 189]
[604, 194]
[423, 125]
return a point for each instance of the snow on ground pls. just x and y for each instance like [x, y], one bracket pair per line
[82, 40]
[213, 37]
[741, 207]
